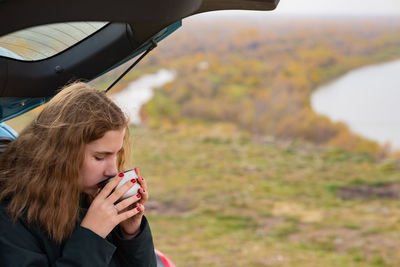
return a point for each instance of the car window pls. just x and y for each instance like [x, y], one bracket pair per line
[41, 42]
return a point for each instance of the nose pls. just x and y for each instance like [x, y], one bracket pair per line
[111, 168]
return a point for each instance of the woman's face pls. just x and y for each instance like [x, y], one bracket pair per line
[100, 160]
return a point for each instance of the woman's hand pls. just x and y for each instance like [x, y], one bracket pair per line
[103, 214]
[131, 226]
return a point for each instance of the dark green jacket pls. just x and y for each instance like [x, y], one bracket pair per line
[25, 245]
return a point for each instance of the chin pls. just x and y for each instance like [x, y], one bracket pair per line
[91, 191]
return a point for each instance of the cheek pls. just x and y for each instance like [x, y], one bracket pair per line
[91, 172]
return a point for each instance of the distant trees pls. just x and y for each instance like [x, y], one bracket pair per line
[260, 77]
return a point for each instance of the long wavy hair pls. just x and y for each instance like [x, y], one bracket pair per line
[39, 171]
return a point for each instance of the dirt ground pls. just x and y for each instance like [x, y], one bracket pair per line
[391, 191]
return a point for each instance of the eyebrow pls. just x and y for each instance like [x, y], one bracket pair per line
[103, 152]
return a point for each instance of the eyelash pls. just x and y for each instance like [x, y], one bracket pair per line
[99, 159]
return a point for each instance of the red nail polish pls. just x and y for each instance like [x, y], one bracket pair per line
[121, 174]
[144, 190]
[138, 208]
[133, 181]
[138, 195]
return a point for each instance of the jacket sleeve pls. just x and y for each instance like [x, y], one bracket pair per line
[138, 251]
[20, 247]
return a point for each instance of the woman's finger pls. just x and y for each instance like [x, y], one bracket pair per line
[143, 190]
[142, 182]
[121, 206]
[118, 193]
[141, 208]
[108, 188]
[144, 195]
[137, 171]
[129, 213]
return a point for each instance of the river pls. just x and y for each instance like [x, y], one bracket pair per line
[140, 91]
[367, 100]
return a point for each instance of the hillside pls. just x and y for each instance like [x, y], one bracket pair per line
[259, 76]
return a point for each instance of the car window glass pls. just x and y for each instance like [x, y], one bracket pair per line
[103, 81]
[41, 42]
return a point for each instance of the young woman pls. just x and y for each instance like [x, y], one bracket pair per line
[52, 212]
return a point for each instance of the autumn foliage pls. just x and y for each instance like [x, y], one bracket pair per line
[260, 75]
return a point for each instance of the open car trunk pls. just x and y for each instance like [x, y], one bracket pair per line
[36, 62]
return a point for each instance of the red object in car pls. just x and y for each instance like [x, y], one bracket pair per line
[163, 260]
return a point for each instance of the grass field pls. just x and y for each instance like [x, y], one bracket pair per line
[221, 198]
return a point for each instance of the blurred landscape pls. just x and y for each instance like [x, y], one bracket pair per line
[241, 170]
[259, 74]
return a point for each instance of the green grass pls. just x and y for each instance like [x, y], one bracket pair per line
[222, 201]
[220, 198]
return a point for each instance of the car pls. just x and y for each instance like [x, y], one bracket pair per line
[46, 44]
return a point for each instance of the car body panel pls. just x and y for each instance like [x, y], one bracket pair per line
[19, 14]
[11, 107]
[7, 132]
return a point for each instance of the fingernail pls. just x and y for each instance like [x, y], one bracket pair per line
[138, 208]
[121, 174]
[144, 190]
[141, 178]
[133, 181]
[138, 195]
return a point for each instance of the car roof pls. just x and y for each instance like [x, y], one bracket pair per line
[128, 29]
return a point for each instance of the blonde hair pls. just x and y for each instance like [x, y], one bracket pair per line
[39, 170]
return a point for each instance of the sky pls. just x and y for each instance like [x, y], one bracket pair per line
[340, 7]
[325, 7]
